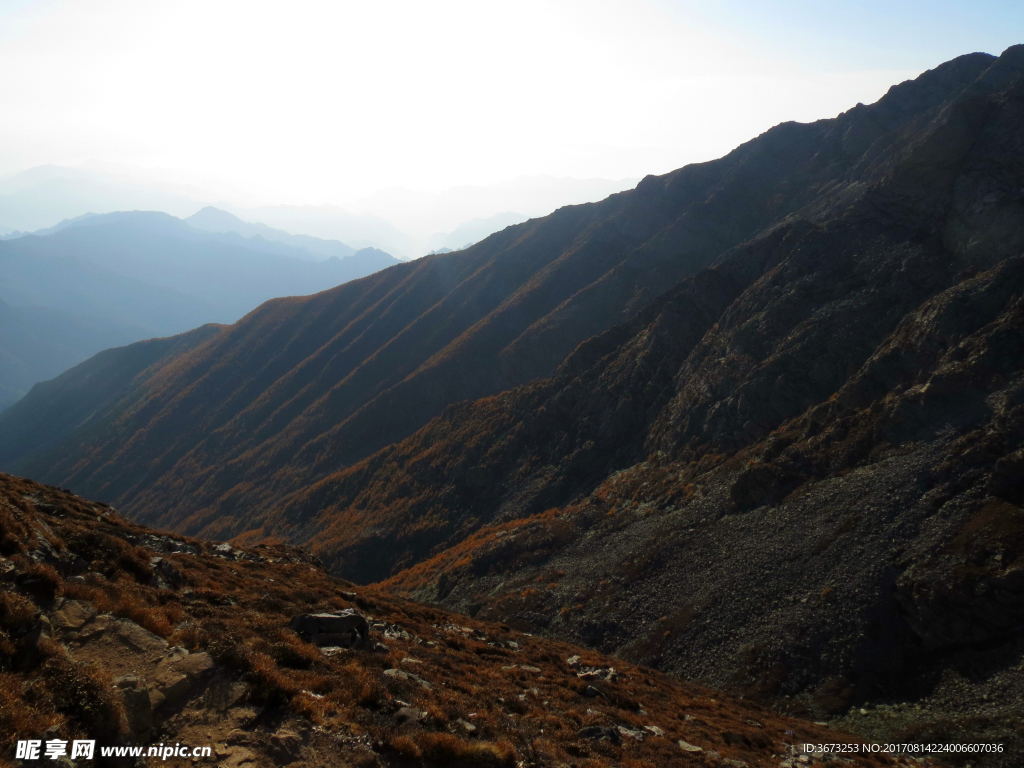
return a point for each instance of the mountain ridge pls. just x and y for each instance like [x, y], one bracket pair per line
[508, 294]
[212, 219]
[756, 422]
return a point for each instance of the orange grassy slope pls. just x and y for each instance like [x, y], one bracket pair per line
[89, 616]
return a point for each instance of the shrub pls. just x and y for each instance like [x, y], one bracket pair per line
[12, 533]
[17, 613]
[292, 652]
[40, 581]
[133, 607]
[405, 747]
[86, 695]
[270, 686]
[111, 556]
[17, 718]
[447, 749]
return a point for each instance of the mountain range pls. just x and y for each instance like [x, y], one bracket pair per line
[402, 222]
[757, 421]
[101, 281]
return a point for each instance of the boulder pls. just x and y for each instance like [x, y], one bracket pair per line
[237, 756]
[72, 615]
[285, 746]
[345, 628]
[168, 688]
[410, 715]
[195, 665]
[165, 575]
[137, 638]
[97, 627]
[399, 674]
[179, 677]
[221, 695]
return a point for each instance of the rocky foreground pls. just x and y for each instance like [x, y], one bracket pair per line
[110, 631]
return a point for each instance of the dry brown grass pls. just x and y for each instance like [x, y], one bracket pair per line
[237, 610]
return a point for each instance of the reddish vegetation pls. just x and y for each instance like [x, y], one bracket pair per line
[523, 700]
[794, 474]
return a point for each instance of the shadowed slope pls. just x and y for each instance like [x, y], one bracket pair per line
[796, 474]
[301, 388]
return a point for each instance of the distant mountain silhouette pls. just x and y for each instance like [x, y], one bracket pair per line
[757, 421]
[211, 219]
[100, 281]
[158, 272]
[333, 223]
[474, 231]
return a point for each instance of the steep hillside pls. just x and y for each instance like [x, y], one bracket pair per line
[90, 394]
[303, 388]
[113, 632]
[799, 471]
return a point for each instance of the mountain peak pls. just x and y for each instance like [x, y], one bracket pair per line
[211, 216]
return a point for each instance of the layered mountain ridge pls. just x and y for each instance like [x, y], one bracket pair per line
[756, 422]
[302, 388]
[102, 281]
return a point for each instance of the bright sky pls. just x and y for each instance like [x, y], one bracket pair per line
[314, 101]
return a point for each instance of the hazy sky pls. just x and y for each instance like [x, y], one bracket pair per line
[312, 102]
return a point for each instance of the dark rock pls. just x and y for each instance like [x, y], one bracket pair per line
[286, 746]
[345, 628]
[165, 574]
[601, 733]
[410, 715]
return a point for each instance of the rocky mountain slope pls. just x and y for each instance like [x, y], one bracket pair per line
[303, 388]
[798, 472]
[112, 632]
[757, 422]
